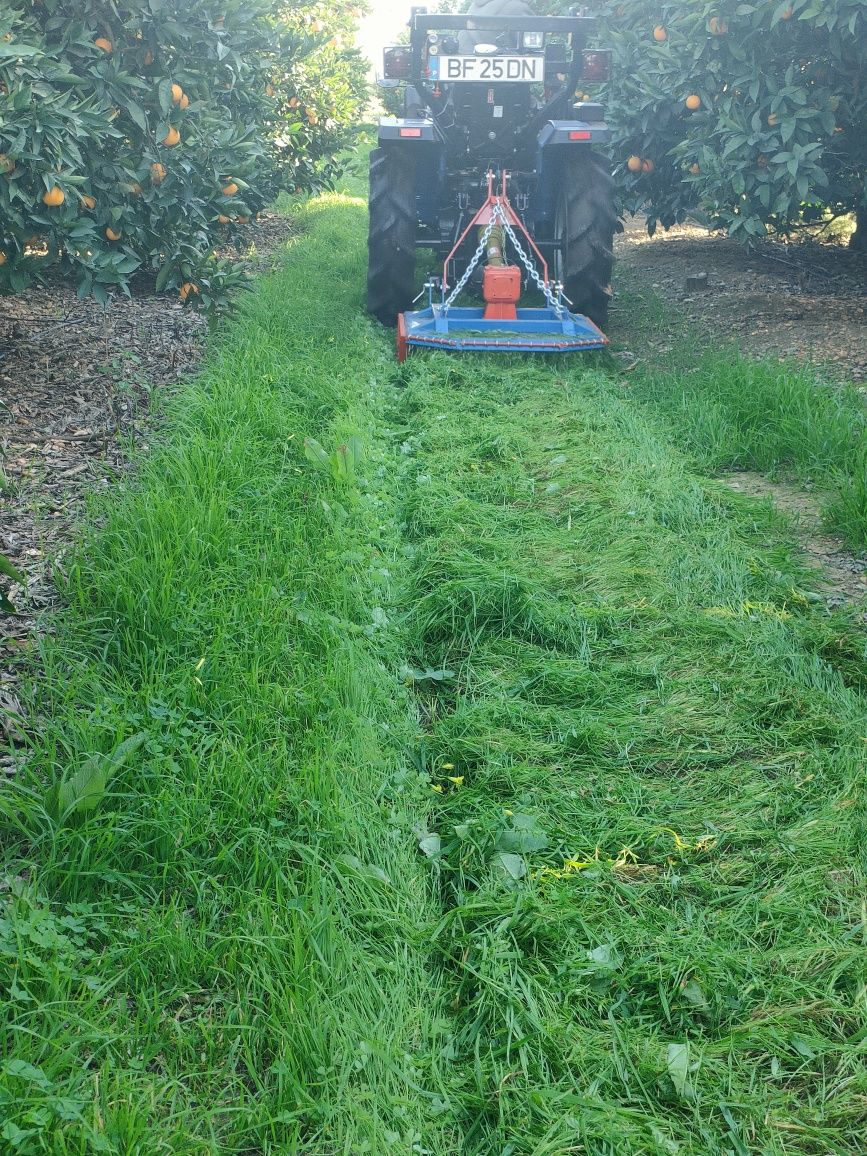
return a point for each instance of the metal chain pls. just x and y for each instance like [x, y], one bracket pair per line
[477, 256]
[498, 215]
[527, 261]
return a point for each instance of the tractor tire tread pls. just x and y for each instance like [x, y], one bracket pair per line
[392, 233]
[590, 224]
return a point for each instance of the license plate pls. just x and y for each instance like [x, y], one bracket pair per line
[488, 69]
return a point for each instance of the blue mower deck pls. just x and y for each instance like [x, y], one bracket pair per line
[465, 328]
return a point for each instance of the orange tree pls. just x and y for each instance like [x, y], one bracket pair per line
[752, 113]
[136, 136]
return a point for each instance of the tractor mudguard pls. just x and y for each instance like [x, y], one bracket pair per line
[573, 132]
[411, 131]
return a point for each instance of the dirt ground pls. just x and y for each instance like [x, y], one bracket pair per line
[804, 300]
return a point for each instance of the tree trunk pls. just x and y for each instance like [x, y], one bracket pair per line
[858, 240]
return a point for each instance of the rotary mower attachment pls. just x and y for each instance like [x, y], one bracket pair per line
[501, 324]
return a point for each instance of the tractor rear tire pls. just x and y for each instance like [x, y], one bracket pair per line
[392, 234]
[585, 223]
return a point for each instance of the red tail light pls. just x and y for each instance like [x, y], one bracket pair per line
[596, 66]
[397, 62]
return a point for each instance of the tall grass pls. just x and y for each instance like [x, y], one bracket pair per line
[215, 944]
[735, 412]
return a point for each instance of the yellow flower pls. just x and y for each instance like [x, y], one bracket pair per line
[438, 787]
[448, 766]
[458, 780]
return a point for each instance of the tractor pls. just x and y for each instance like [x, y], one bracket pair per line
[494, 167]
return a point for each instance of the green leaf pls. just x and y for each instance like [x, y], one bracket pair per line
[606, 957]
[693, 994]
[24, 1071]
[511, 865]
[137, 115]
[317, 455]
[430, 845]
[164, 95]
[10, 571]
[677, 1065]
[85, 789]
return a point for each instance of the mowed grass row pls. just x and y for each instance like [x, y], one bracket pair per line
[648, 748]
[210, 936]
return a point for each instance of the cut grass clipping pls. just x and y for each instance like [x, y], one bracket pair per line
[431, 762]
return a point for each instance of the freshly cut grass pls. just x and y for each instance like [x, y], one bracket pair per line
[733, 412]
[649, 756]
[219, 949]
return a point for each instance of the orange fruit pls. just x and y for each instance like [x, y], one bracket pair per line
[294, 102]
[172, 137]
[773, 119]
[186, 289]
[103, 43]
[136, 189]
[634, 164]
[647, 166]
[223, 219]
[693, 101]
[177, 94]
[148, 58]
[695, 169]
[54, 197]
[184, 101]
[243, 220]
[88, 201]
[659, 34]
[230, 189]
[7, 165]
[158, 173]
[717, 27]
[270, 90]
[787, 14]
[112, 234]
[2, 257]
[312, 118]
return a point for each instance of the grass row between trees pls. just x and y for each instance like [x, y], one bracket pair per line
[474, 777]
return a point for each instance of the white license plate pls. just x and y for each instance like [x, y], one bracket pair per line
[488, 69]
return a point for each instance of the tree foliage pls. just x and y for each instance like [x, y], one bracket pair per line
[776, 134]
[136, 136]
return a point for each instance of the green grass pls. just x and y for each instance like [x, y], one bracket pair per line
[501, 796]
[729, 411]
[225, 955]
[666, 742]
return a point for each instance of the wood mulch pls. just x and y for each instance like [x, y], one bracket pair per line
[803, 300]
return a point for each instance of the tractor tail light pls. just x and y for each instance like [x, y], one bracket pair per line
[580, 134]
[397, 62]
[596, 66]
[416, 132]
